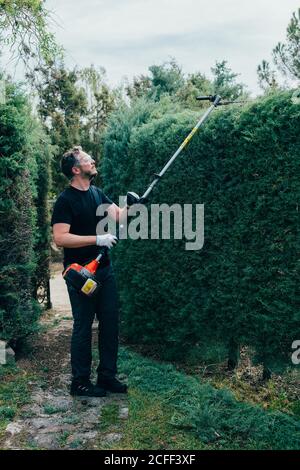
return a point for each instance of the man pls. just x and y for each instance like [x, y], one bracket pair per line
[74, 223]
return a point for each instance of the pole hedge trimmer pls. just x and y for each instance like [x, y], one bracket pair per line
[83, 277]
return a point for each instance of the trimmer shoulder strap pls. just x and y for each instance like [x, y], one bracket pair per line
[96, 195]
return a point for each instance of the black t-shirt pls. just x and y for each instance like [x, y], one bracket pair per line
[78, 209]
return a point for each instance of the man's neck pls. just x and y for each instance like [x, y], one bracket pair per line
[81, 184]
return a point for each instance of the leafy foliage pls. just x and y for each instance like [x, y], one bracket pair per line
[163, 79]
[266, 76]
[241, 287]
[74, 106]
[168, 79]
[286, 57]
[224, 82]
[23, 228]
[24, 31]
[62, 105]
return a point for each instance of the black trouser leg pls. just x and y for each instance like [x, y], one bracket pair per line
[105, 305]
[108, 330]
[83, 311]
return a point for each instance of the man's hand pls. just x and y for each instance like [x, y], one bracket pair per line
[132, 198]
[108, 240]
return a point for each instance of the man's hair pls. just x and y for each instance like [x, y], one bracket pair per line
[70, 159]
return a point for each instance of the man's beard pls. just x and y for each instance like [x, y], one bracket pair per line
[88, 175]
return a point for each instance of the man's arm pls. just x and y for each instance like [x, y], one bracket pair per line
[116, 213]
[65, 239]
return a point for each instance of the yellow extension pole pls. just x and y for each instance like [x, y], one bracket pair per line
[216, 101]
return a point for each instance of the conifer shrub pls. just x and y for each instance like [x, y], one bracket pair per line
[240, 288]
[21, 229]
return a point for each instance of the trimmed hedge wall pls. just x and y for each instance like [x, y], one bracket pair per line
[23, 227]
[241, 287]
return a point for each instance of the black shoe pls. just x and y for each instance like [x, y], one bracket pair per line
[85, 388]
[111, 384]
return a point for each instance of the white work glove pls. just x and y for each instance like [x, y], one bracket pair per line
[132, 198]
[108, 240]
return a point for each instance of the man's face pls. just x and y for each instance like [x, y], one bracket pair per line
[86, 166]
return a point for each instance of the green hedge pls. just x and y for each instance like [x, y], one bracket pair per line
[240, 289]
[43, 154]
[21, 229]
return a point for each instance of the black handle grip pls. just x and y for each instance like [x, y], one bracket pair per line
[143, 200]
[206, 98]
[215, 99]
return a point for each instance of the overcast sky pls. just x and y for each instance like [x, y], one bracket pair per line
[127, 36]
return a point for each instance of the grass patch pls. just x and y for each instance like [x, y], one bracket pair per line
[75, 444]
[14, 393]
[277, 394]
[73, 419]
[166, 403]
[50, 409]
[62, 440]
[109, 416]
[149, 425]
[7, 412]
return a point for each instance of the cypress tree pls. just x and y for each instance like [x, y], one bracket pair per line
[22, 227]
[240, 289]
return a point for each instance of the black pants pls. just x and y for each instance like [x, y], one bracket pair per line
[84, 309]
